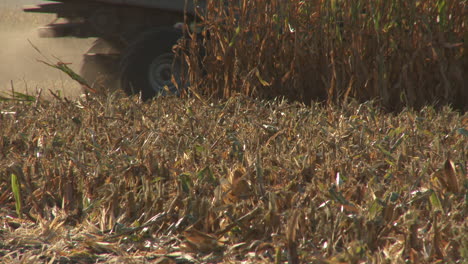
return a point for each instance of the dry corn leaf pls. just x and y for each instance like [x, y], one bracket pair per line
[196, 240]
[237, 188]
[438, 251]
[451, 176]
[164, 260]
[104, 247]
[241, 189]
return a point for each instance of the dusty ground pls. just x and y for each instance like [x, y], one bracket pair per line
[19, 67]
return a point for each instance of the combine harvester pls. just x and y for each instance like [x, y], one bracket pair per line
[135, 40]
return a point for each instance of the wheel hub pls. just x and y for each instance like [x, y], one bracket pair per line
[160, 72]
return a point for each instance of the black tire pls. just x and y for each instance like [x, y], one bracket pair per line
[148, 65]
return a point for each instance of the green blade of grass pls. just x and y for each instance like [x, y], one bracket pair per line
[463, 132]
[435, 202]
[24, 97]
[17, 96]
[15, 186]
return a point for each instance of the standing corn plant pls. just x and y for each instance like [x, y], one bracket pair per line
[402, 53]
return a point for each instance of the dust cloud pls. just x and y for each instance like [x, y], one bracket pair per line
[19, 67]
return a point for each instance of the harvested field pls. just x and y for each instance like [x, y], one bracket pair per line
[224, 175]
[185, 181]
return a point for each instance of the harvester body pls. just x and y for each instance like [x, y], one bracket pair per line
[127, 33]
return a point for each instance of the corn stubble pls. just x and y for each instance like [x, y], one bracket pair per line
[178, 180]
[403, 53]
[110, 179]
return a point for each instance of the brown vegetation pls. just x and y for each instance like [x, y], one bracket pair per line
[197, 180]
[401, 53]
[186, 181]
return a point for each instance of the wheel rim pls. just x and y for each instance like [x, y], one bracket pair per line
[160, 74]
